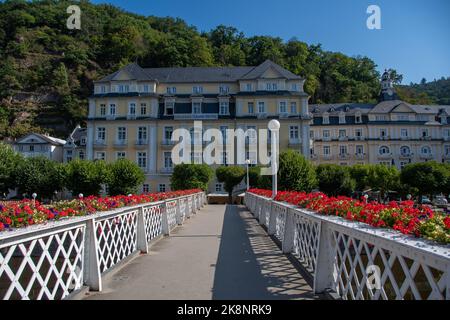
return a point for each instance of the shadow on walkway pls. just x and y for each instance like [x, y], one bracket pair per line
[251, 266]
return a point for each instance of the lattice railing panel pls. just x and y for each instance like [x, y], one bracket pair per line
[171, 210]
[116, 238]
[183, 206]
[153, 222]
[401, 277]
[189, 205]
[306, 240]
[43, 268]
[280, 220]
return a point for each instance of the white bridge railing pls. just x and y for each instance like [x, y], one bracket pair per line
[54, 260]
[354, 260]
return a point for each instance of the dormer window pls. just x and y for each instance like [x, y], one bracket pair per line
[294, 87]
[169, 108]
[197, 89]
[196, 107]
[83, 141]
[103, 89]
[443, 119]
[326, 119]
[358, 118]
[248, 87]
[171, 90]
[124, 88]
[224, 89]
[224, 108]
[146, 88]
[341, 117]
[271, 87]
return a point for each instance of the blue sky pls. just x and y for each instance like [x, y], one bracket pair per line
[414, 39]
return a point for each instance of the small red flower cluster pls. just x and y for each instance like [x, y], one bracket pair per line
[17, 214]
[403, 217]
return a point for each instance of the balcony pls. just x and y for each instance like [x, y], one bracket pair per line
[121, 143]
[385, 156]
[344, 156]
[405, 155]
[327, 157]
[166, 170]
[343, 138]
[261, 115]
[111, 117]
[360, 156]
[294, 142]
[100, 143]
[360, 138]
[131, 117]
[167, 143]
[141, 143]
[326, 139]
[196, 116]
[426, 156]
[284, 115]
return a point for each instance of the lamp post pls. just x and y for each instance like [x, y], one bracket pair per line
[247, 162]
[274, 127]
[34, 195]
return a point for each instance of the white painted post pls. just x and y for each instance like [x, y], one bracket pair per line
[194, 209]
[289, 232]
[142, 244]
[272, 227]
[323, 275]
[179, 215]
[91, 273]
[165, 219]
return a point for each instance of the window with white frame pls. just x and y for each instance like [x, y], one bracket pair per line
[83, 141]
[121, 133]
[101, 134]
[250, 108]
[326, 119]
[294, 107]
[81, 155]
[404, 133]
[358, 133]
[112, 109]
[100, 155]
[294, 133]
[342, 133]
[405, 151]
[282, 107]
[294, 87]
[224, 89]
[168, 131]
[161, 187]
[168, 160]
[69, 155]
[403, 117]
[224, 108]
[447, 150]
[248, 87]
[425, 150]
[446, 132]
[196, 107]
[143, 109]
[103, 109]
[142, 134]
[272, 86]
[383, 133]
[326, 150]
[132, 109]
[359, 149]
[425, 133]
[219, 187]
[145, 188]
[358, 118]
[103, 89]
[261, 107]
[381, 117]
[342, 150]
[326, 134]
[171, 90]
[142, 160]
[121, 155]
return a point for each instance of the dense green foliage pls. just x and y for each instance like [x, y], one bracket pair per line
[334, 179]
[9, 160]
[124, 177]
[230, 177]
[86, 177]
[191, 176]
[434, 92]
[40, 58]
[40, 175]
[295, 173]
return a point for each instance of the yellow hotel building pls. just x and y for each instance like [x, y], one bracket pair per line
[134, 111]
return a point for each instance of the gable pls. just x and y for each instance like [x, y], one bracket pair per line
[122, 75]
[271, 73]
[31, 139]
[402, 107]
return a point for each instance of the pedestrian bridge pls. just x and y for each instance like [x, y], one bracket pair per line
[184, 249]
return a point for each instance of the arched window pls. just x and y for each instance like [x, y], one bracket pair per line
[425, 150]
[384, 150]
[405, 151]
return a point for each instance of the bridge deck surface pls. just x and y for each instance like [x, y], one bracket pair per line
[220, 253]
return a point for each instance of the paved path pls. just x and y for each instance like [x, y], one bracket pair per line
[220, 253]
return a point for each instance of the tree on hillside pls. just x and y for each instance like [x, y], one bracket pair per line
[125, 177]
[295, 173]
[191, 176]
[230, 176]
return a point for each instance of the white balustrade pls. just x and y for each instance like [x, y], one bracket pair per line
[354, 260]
[54, 260]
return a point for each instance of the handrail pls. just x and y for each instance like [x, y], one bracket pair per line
[54, 260]
[354, 260]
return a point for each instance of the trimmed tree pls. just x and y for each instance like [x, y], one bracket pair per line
[86, 177]
[295, 172]
[9, 160]
[334, 180]
[384, 178]
[40, 175]
[124, 177]
[191, 176]
[230, 177]
[360, 173]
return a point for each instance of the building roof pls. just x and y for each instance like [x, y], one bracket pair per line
[198, 74]
[49, 139]
[348, 108]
